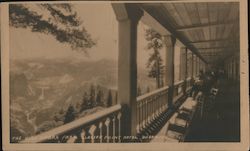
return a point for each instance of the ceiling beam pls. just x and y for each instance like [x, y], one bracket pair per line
[208, 55]
[211, 40]
[193, 27]
[213, 52]
[218, 47]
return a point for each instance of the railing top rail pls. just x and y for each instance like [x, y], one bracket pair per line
[142, 97]
[179, 82]
[72, 125]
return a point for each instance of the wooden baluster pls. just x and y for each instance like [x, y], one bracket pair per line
[83, 135]
[151, 109]
[107, 122]
[160, 103]
[165, 100]
[137, 116]
[138, 104]
[114, 128]
[146, 112]
[162, 100]
[92, 133]
[143, 108]
[100, 128]
[141, 114]
[72, 139]
[119, 115]
[154, 106]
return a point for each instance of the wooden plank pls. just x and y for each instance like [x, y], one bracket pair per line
[207, 25]
[213, 32]
[155, 13]
[173, 13]
[193, 13]
[182, 12]
[227, 31]
[203, 17]
[216, 47]
[212, 7]
[212, 10]
[210, 40]
[234, 11]
[202, 10]
[167, 16]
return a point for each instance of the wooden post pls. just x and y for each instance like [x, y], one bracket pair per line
[186, 71]
[128, 16]
[184, 67]
[192, 68]
[170, 41]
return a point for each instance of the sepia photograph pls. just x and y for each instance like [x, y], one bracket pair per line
[143, 73]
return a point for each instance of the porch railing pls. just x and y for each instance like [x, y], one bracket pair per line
[103, 126]
[188, 83]
[150, 106]
[178, 90]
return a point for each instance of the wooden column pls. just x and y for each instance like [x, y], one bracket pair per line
[182, 63]
[199, 65]
[128, 16]
[192, 66]
[170, 41]
[185, 72]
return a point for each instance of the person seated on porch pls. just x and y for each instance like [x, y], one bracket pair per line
[197, 86]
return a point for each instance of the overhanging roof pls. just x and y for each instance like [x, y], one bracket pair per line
[206, 25]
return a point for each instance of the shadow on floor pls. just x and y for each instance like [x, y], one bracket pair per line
[222, 122]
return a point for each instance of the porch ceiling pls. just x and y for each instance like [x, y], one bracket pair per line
[211, 30]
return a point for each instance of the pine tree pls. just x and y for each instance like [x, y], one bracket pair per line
[85, 101]
[155, 62]
[92, 99]
[116, 97]
[58, 20]
[148, 89]
[99, 97]
[70, 115]
[109, 99]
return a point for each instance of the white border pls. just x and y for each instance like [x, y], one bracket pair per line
[244, 102]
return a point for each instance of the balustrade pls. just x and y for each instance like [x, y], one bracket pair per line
[178, 90]
[103, 126]
[150, 106]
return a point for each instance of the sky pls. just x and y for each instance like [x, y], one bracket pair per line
[98, 19]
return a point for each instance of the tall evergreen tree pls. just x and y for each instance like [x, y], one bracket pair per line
[99, 97]
[109, 99]
[70, 114]
[148, 89]
[155, 62]
[116, 97]
[92, 97]
[85, 101]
